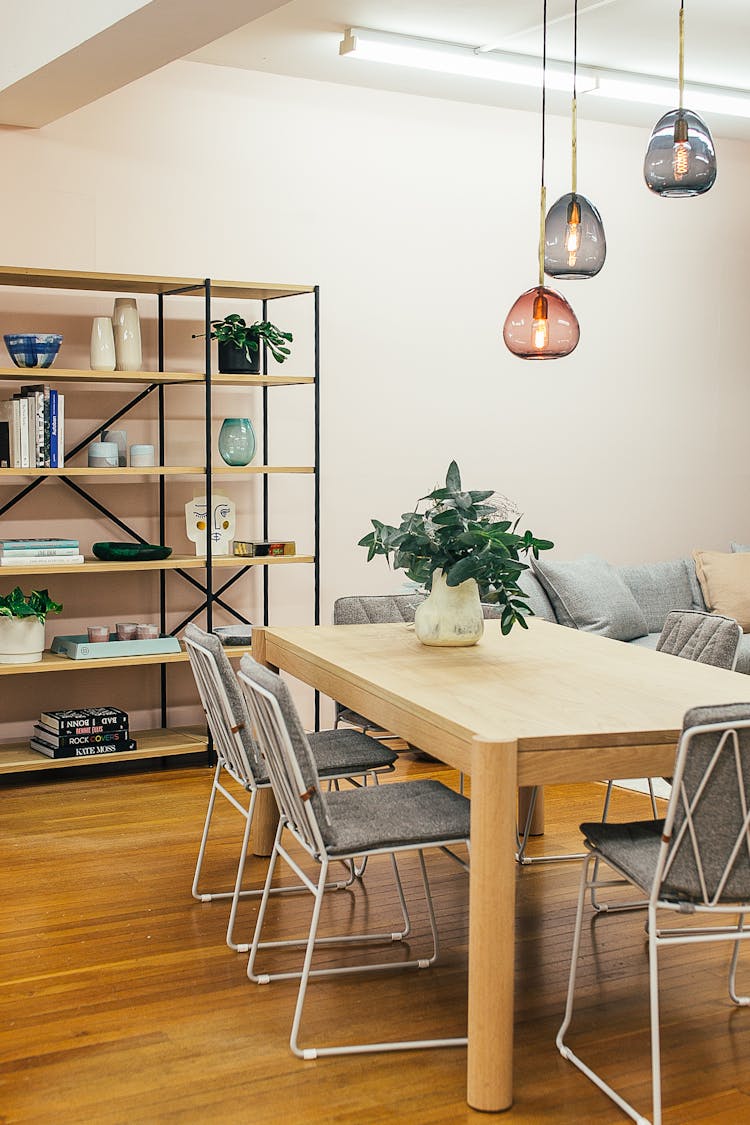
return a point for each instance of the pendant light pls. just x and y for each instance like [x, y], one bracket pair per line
[541, 324]
[575, 246]
[680, 158]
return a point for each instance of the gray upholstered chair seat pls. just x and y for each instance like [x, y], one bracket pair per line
[394, 816]
[344, 715]
[631, 848]
[348, 751]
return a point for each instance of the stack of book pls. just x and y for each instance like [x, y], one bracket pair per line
[39, 552]
[82, 734]
[32, 429]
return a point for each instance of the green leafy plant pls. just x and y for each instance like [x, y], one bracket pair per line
[460, 533]
[36, 604]
[233, 330]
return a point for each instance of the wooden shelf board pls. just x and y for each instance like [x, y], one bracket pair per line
[84, 375]
[222, 380]
[156, 471]
[16, 757]
[174, 562]
[51, 662]
[143, 283]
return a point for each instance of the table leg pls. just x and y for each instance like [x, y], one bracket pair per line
[492, 912]
[266, 815]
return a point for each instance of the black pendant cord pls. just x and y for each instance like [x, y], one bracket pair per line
[543, 189]
[682, 50]
[574, 106]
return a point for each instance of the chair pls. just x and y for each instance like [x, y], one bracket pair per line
[380, 820]
[706, 637]
[697, 862]
[339, 755]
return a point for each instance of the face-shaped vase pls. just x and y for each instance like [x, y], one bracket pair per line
[220, 525]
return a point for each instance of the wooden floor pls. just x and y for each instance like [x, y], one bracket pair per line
[122, 1004]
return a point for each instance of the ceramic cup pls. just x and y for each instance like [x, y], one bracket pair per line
[103, 455]
[141, 456]
[98, 633]
[126, 630]
[146, 632]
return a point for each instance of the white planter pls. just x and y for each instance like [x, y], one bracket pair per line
[21, 640]
[450, 615]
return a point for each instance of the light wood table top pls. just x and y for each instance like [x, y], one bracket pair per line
[540, 705]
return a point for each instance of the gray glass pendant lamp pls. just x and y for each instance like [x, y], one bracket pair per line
[541, 324]
[680, 159]
[575, 246]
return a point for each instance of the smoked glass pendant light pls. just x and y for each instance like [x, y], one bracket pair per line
[575, 246]
[680, 159]
[541, 324]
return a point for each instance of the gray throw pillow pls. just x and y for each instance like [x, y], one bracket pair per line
[738, 548]
[589, 594]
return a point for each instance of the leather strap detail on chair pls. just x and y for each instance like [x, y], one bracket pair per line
[308, 793]
[665, 839]
[239, 727]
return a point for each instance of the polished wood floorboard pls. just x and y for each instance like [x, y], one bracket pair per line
[122, 1004]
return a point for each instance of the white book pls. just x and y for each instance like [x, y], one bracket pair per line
[6, 415]
[36, 552]
[23, 431]
[41, 560]
[60, 431]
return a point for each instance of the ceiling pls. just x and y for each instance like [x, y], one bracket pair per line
[301, 38]
[55, 58]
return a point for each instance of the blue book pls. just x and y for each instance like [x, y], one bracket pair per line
[53, 430]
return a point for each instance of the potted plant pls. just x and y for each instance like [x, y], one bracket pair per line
[463, 553]
[22, 618]
[239, 343]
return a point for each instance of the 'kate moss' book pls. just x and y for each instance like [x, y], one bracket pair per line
[94, 751]
[89, 720]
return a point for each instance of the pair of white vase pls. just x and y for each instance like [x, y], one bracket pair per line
[116, 341]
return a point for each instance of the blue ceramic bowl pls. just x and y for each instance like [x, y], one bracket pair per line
[32, 349]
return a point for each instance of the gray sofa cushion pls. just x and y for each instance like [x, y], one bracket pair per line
[661, 587]
[533, 591]
[738, 548]
[589, 594]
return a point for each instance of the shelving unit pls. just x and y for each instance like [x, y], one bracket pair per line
[164, 741]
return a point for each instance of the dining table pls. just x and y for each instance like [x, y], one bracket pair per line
[542, 705]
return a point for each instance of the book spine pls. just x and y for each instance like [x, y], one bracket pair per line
[53, 404]
[36, 552]
[23, 431]
[5, 445]
[39, 426]
[28, 544]
[52, 738]
[16, 439]
[72, 727]
[82, 751]
[41, 560]
[60, 431]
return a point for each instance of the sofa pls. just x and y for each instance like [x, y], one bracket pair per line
[630, 603]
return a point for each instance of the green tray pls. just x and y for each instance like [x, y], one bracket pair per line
[130, 552]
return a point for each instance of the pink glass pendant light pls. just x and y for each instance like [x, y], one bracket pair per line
[541, 324]
[680, 158]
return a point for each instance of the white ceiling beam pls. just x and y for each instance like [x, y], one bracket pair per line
[144, 41]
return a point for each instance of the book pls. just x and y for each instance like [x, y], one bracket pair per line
[249, 548]
[93, 751]
[38, 396]
[12, 559]
[5, 462]
[35, 552]
[7, 415]
[80, 738]
[27, 544]
[60, 431]
[71, 722]
[53, 431]
[23, 430]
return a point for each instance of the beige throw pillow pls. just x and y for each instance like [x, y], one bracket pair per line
[725, 582]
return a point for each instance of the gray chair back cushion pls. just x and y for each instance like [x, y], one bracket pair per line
[718, 815]
[375, 609]
[589, 594]
[234, 694]
[705, 637]
[661, 587]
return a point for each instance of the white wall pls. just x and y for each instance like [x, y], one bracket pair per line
[418, 218]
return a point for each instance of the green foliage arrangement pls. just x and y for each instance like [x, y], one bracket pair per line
[233, 330]
[36, 604]
[460, 534]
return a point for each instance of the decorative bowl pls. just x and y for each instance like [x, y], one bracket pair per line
[130, 552]
[33, 349]
[234, 635]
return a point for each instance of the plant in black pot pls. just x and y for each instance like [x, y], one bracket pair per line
[239, 343]
[461, 550]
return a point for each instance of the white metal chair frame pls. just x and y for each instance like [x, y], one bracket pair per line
[232, 759]
[298, 818]
[659, 937]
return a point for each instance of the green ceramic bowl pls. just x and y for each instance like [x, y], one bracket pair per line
[130, 552]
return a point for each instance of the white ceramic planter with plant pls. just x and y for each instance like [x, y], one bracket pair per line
[461, 550]
[22, 621]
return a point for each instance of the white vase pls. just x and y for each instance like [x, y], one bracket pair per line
[21, 640]
[127, 333]
[450, 615]
[102, 344]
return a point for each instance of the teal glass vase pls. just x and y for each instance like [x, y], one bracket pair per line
[237, 441]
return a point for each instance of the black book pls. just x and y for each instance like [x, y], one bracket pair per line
[90, 720]
[93, 750]
[5, 446]
[82, 738]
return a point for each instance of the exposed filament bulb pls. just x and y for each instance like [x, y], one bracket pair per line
[540, 323]
[573, 230]
[681, 151]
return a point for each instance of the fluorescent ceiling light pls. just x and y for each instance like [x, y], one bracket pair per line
[451, 58]
[526, 70]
